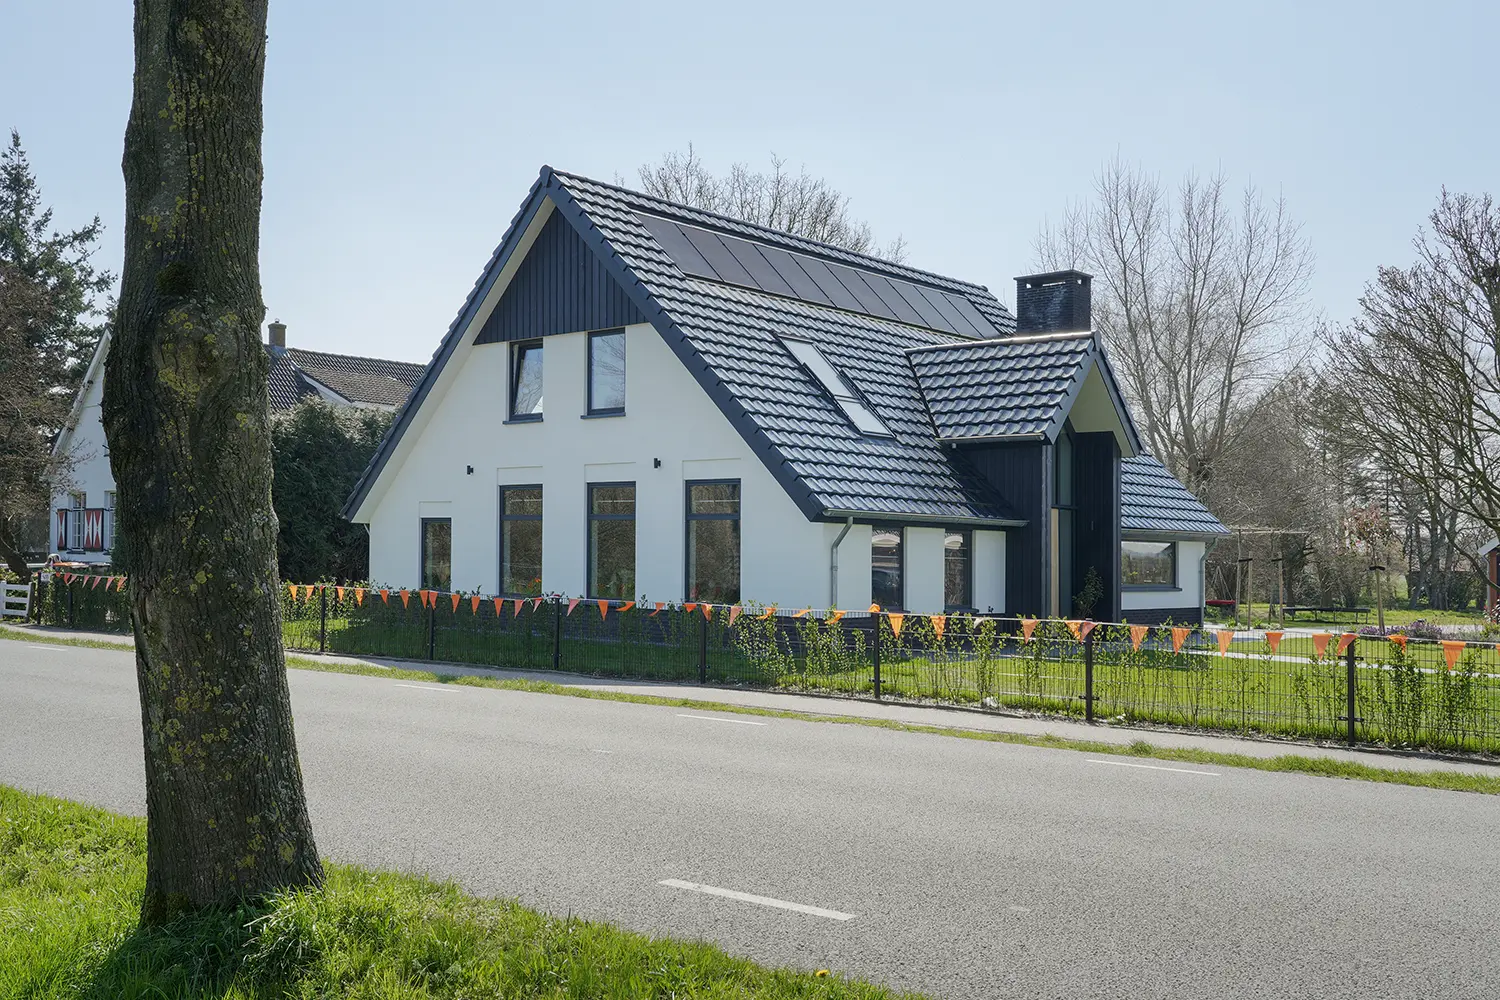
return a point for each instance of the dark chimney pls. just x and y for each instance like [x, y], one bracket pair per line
[277, 332]
[1056, 302]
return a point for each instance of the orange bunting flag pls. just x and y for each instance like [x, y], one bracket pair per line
[874, 609]
[834, 616]
[499, 606]
[627, 605]
[1137, 633]
[1074, 627]
[896, 621]
[573, 603]
[359, 596]
[95, 584]
[939, 622]
[1452, 649]
[1085, 629]
[536, 602]
[515, 606]
[293, 588]
[1226, 636]
[405, 598]
[1345, 640]
[1399, 639]
[474, 605]
[1028, 626]
[340, 592]
[1273, 639]
[385, 596]
[422, 596]
[1320, 642]
[707, 609]
[456, 599]
[691, 607]
[659, 606]
[801, 613]
[603, 609]
[734, 613]
[768, 613]
[1179, 636]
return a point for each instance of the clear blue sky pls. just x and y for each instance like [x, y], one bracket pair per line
[401, 137]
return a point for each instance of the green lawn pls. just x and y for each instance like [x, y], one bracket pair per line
[70, 884]
[1262, 613]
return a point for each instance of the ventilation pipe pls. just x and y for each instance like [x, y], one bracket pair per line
[833, 564]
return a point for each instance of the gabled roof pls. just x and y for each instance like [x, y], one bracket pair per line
[1154, 504]
[1015, 388]
[298, 374]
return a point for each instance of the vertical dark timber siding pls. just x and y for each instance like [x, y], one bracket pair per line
[561, 287]
[1022, 475]
[1096, 523]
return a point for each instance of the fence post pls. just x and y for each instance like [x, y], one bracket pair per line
[432, 628]
[1349, 662]
[323, 619]
[1088, 675]
[875, 633]
[703, 651]
[557, 633]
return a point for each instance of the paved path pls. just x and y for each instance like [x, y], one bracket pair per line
[966, 869]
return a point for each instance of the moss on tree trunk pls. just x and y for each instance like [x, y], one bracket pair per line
[185, 412]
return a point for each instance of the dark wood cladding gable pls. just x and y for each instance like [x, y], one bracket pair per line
[560, 287]
[1096, 521]
[1021, 474]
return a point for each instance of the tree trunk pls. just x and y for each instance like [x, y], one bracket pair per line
[185, 412]
[11, 553]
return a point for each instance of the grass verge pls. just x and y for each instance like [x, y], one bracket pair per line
[1458, 781]
[70, 883]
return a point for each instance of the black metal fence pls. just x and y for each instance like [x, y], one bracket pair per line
[1326, 686]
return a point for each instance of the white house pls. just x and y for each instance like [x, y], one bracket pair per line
[643, 401]
[83, 522]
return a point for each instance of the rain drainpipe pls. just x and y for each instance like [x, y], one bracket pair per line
[833, 564]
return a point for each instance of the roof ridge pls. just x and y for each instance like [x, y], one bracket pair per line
[900, 270]
[355, 357]
[1026, 338]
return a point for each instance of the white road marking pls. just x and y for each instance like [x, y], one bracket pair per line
[50, 649]
[713, 718]
[425, 687]
[592, 749]
[1153, 767]
[745, 897]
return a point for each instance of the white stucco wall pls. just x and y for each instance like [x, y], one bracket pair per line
[668, 417]
[89, 473]
[1189, 592]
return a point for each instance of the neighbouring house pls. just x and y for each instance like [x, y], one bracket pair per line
[644, 401]
[83, 521]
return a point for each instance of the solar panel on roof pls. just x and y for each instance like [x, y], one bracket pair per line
[738, 261]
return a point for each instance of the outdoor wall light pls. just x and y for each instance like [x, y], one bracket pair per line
[470, 468]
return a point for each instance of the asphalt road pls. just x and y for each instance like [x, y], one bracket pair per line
[960, 868]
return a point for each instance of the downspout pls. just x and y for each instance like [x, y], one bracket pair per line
[833, 564]
[1203, 579]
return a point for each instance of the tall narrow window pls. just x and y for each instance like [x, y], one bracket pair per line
[958, 569]
[75, 523]
[109, 520]
[437, 553]
[607, 372]
[838, 387]
[612, 541]
[521, 541]
[526, 381]
[1062, 522]
[886, 588]
[713, 542]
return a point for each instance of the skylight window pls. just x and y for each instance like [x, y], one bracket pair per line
[838, 387]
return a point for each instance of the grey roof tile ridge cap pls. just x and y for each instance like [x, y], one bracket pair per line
[879, 262]
[1026, 338]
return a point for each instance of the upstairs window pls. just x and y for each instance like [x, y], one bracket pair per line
[526, 381]
[838, 387]
[607, 373]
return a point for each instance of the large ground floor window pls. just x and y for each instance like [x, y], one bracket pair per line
[437, 553]
[611, 555]
[886, 565]
[713, 542]
[521, 541]
[1148, 564]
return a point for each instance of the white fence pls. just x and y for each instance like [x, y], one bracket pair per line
[15, 600]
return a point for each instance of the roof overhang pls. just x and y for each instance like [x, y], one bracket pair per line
[921, 520]
[1147, 535]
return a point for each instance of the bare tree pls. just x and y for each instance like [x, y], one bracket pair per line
[185, 412]
[798, 203]
[1415, 380]
[1200, 301]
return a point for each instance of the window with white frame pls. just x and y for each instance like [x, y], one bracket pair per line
[109, 520]
[75, 522]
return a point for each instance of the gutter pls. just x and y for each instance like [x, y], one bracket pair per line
[833, 564]
[927, 520]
